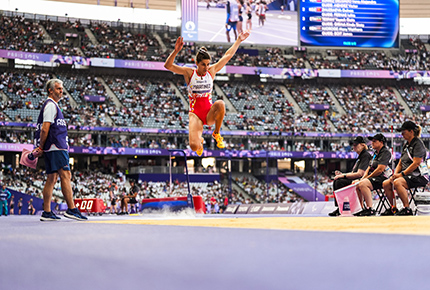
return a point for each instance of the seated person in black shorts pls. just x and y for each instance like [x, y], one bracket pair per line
[344, 179]
[407, 174]
[129, 198]
[378, 171]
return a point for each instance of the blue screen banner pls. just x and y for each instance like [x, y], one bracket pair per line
[189, 20]
[349, 23]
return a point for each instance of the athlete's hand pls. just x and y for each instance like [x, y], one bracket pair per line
[179, 44]
[244, 35]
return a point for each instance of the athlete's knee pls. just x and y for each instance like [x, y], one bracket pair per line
[220, 105]
[195, 146]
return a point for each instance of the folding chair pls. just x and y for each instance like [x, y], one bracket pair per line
[412, 192]
[383, 201]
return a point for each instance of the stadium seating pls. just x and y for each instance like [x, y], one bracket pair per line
[368, 108]
[154, 103]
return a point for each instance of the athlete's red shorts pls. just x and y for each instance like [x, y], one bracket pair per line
[200, 107]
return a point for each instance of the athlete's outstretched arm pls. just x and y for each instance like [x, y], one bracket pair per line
[185, 71]
[230, 52]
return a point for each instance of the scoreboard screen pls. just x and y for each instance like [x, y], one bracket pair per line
[349, 23]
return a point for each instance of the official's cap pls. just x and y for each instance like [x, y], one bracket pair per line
[408, 125]
[378, 137]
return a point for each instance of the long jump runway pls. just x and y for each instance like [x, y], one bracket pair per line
[215, 252]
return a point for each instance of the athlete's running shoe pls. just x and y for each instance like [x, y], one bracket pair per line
[49, 216]
[219, 140]
[200, 152]
[75, 214]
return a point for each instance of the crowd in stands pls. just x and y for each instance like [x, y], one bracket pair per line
[368, 109]
[24, 90]
[120, 43]
[305, 95]
[103, 183]
[324, 183]
[415, 97]
[21, 34]
[155, 103]
[60, 45]
[271, 57]
[123, 42]
[18, 33]
[415, 57]
[257, 190]
[149, 103]
[86, 113]
[83, 139]
[264, 107]
[342, 59]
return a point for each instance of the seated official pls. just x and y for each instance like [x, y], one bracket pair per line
[129, 198]
[344, 179]
[377, 172]
[407, 174]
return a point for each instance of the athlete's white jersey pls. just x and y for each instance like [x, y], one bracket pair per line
[199, 87]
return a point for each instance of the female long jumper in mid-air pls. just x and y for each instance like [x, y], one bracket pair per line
[200, 83]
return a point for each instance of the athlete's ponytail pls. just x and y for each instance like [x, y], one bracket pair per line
[202, 54]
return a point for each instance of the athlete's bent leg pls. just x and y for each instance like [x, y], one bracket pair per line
[216, 115]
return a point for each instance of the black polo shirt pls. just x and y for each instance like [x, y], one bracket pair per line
[416, 149]
[381, 158]
[362, 161]
[134, 190]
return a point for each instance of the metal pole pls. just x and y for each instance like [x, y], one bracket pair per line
[229, 176]
[393, 156]
[315, 177]
[267, 176]
[277, 181]
[189, 196]
[170, 171]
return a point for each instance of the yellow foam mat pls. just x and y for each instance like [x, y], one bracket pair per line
[411, 225]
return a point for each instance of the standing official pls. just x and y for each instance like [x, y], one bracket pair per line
[52, 142]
